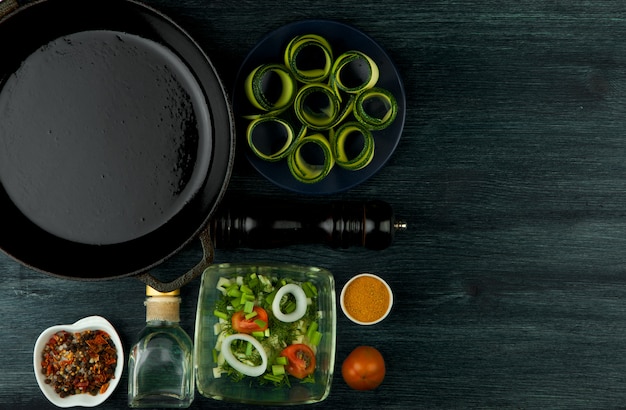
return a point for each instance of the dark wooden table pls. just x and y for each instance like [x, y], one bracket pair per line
[511, 173]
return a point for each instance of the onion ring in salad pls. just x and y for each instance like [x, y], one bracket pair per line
[253, 371]
[301, 303]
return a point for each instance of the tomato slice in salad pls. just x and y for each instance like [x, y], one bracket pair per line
[258, 323]
[301, 360]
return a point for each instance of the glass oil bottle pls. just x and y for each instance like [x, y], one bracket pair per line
[160, 364]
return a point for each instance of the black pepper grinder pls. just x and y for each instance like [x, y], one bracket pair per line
[261, 225]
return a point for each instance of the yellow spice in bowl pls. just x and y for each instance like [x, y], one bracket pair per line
[366, 299]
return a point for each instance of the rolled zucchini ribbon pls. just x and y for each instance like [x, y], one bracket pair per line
[303, 170]
[346, 60]
[321, 116]
[297, 46]
[375, 108]
[339, 138]
[329, 94]
[255, 90]
[262, 132]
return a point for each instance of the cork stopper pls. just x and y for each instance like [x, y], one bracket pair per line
[162, 306]
[153, 292]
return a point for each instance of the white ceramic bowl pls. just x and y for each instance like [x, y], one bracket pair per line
[86, 399]
[343, 293]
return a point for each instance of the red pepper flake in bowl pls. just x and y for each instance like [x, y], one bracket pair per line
[81, 362]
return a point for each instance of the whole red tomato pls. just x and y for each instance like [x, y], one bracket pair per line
[364, 368]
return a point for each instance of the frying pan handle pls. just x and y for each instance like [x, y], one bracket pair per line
[7, 6]
[207, 259]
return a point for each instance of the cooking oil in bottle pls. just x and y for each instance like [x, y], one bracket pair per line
[160, 364]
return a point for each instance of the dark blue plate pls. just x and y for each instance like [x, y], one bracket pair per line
[342, 38]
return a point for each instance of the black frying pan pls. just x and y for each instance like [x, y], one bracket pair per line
[116, 140]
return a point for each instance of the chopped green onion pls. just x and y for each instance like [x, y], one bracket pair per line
[311, 330]
[270, 297]
[290, 307]
[246, 298]
[233, 291]
[254, 281]
[259, 334]
[307, 290]
[249, 310]
[222, 284]
[278, 369]
[315, 338]
[249, 349]
[260, 323]
[220, 314]
[282, 360]
[311, 289]
[273, 378]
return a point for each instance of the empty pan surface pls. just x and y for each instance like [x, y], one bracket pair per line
[116, 138]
